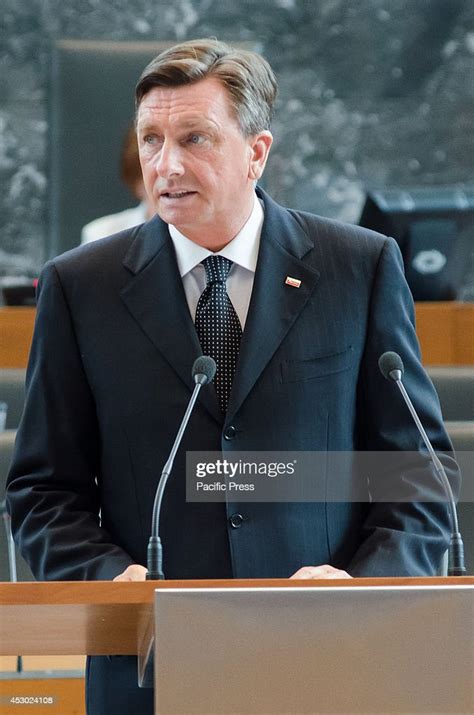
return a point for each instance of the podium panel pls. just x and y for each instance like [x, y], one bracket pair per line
[287, 651]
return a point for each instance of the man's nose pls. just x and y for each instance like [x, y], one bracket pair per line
[169, 161]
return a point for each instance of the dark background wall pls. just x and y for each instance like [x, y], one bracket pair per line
[372, 93]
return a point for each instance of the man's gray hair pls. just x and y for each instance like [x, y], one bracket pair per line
[247, 77]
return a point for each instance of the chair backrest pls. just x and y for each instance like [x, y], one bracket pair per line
[12, 391]
[461, 433]
[7, 441]
[455, 388]
[92, 105]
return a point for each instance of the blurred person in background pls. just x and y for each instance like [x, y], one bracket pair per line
[131, 175]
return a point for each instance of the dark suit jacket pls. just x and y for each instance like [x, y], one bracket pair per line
[109, 379]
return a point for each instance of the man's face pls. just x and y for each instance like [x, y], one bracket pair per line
[198, 167]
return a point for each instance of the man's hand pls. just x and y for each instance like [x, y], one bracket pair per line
[135, 572]
[324, 571]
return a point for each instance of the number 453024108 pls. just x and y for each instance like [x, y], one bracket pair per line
[30, 700]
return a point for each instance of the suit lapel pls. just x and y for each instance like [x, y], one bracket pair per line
[155, 298]
[274, 305]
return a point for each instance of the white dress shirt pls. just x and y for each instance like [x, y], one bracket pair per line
[242, 251]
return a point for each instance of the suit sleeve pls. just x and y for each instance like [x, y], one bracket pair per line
[407, 529]
[52, 491]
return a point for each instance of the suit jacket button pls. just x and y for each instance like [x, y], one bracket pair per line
[230, 433]
[236, 521]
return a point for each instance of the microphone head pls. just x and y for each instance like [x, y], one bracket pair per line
[391, 366]
[204, 369]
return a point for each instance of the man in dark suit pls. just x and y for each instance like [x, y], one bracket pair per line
[306, 303]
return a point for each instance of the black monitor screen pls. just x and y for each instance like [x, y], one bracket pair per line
[434, 228]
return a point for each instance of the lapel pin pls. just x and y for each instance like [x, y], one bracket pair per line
[293, 282]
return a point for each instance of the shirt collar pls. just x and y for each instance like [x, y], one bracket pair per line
[243, 249]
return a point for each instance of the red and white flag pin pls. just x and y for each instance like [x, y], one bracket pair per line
[293, 282]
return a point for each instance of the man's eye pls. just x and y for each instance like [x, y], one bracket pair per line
[196, 139]
[150, 139]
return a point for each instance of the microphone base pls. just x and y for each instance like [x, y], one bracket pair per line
[457, 571]
[456, 556]
[154, 560]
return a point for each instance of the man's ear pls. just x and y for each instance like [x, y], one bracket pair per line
[260, 147]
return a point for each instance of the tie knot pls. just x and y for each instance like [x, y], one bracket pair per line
[217, 269]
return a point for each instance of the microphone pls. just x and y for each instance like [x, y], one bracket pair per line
[203, 372]
[391, 367]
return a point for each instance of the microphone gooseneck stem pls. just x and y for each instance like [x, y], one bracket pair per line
[456, 548]
[154, 552]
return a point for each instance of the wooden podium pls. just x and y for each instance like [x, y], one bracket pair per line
[107, 618]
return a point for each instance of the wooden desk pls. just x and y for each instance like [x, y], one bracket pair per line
[16, 329]
[445, 331]
[20, 694]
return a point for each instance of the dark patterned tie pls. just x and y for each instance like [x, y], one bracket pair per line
[218, 326]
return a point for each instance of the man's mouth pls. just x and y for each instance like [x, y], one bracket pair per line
[176, 194]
